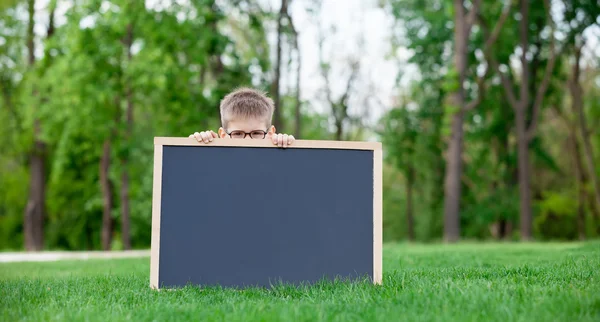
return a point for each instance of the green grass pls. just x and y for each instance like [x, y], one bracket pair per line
[466, 282]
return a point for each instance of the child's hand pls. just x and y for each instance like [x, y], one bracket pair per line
[204, 136]
[282, 140]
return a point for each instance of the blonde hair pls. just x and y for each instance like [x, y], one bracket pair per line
[246, 103]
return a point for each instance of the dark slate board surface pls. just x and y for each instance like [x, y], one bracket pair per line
[244, 216]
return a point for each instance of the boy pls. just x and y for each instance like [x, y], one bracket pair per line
[246, 114]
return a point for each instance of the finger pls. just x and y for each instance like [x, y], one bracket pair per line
[205, 137]
[279, 140]
[197, 136]
[285, 140]
[291, 139]
[274, 138]
[214, 135]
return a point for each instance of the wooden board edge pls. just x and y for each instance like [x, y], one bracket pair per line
[156, 205]
[298, 144]
[377, 217]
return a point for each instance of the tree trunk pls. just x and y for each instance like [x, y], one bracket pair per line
[215, 62]
[125, 230]
[495, 148]
[276, 80]
[580, 175]
[298, 99]
[409, 203]
[524, 177]
[574, 85]
[577, 101]
[595, 212]
[296, 47]
[30, 34]
[580, 182]
[35, 210]
[339, 129]
[125, 208]
[107, 196]
[438, 165]
[452, 182]
[521, 124]
[509, 178]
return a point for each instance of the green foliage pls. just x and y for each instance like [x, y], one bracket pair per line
[412, 142]
[401, 126]
[12, 204]
[427, 31]
[183, 59]
[557, 216]
[314, 125]
[452, 80]
[492, 207]
[186, 56]
[181, 63]
[490, 191]
[394, 201]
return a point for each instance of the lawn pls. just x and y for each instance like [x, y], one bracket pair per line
[466, 282]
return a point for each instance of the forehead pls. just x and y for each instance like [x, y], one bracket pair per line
[247, 125]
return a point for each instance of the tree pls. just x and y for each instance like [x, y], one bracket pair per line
[16, 137]
[521, 106]
[350, 66]
[107, 194]
[411, 133]
[400, 132]
[339, 106]
[130, 74]
[577, 104]
[275, 91]
[417, 18]
[533, 87]
[129, 112]
[422, 27]
[298, 102]
[463, 24]
[35, 211]
[286, 31]
[580, 177]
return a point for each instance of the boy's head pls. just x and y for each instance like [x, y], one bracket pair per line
[246, 113]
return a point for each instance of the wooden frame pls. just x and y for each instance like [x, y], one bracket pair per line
[376, 147]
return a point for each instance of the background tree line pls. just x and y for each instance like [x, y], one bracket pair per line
[489, 141]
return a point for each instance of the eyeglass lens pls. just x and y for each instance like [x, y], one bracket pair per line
[253, 134]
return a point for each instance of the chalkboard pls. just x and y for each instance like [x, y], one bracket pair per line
[245, 213]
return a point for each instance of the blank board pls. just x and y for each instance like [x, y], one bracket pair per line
[245, 213]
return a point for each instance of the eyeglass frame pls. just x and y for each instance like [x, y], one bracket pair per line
[249, 133]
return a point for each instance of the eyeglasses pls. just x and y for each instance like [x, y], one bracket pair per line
[256, 134]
